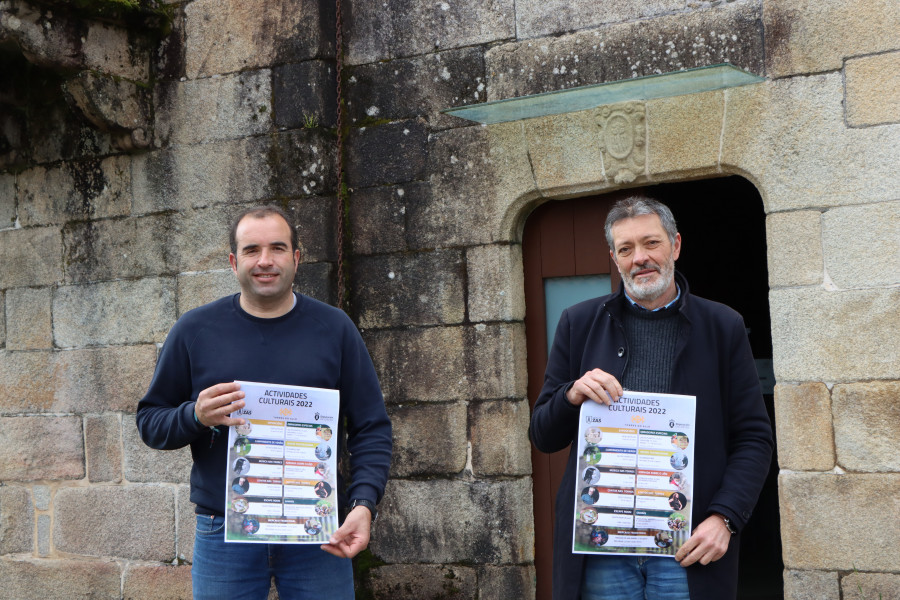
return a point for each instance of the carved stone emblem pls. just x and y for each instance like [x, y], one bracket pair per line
[622, 130]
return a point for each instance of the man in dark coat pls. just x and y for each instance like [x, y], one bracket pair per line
[654, 336]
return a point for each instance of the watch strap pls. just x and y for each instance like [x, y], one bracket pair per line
[367, 503]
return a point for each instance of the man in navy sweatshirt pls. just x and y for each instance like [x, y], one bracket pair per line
[267, 334]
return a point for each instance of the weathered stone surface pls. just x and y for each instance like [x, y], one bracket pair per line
[197, 289]
[418, 86]
[303, 162]
[873, 89]
[316, 221]
[536, 18]
[43, 535]
[811, 342]
[7, 200]
[182, 177]
[792, 234]
[866, 425]
[840, 507]
[495, 360]
[861, 586]
[41, 497]
[810, 37]
[728, 33]
[40, 248]
[803, 423]
[495, 281]
[412, 456]
[60, 455]
[185, 524]
[16, 520]
[136, 522]
[500, 443]
[506, 582]
[144, 464]
[853, 235]
[407, 27]
[115, 51]
[811, 585]
[219, 108]
[103, 441]
[116, 312]
[28, 318]
[684, 136]
[126, 248]
[486, 522]
[417, 289]
[789, 137]
[391, 153]
[317, 280]
[305, 94]
[235, 35]
[87, 189]
[71, 578]
[423, 582]
[567, 150]
[378, 216]
[149, 582]
[3, 320]
[201, 238]
[113, 104]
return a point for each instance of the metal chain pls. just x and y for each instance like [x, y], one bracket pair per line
[342, 193]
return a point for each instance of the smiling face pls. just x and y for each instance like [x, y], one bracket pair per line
[645, 257]
[265, 265]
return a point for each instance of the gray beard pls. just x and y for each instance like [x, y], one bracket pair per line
[647, 292]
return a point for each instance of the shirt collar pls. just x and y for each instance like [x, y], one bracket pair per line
[677, 296]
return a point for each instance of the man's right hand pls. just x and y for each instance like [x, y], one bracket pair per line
[595, 385]
[215, 403]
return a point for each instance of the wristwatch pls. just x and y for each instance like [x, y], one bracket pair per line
[368, 504]
[728, 525]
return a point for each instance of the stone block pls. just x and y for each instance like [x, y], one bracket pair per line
[444, 422]
[873, 89]
[811, 341]
[811, 585]
[538, 18]
[495, 280]
[305, 94]
[797, 233]
[75, 190]
[853, 235]
[121, 248]
[115, 51]
[44, 528]
[316, 221]
[507, 582]
[30, 579]
[115, 312]
[197, 289]
[182, 177]
[803, 119]
[803, 427]
[317, 280]
[303, 162]
[185, 525]
[157, 582]
[221, 108]
[136, 522]
[421, 582]
[567, 150]
[60, 455]
[685, 133]
[409, 27]
[144, 464]
[16, 520]
[809, 37]
[500, 443]
[39, 247]
[866, 424]
[730, 32]
[28, 320]
[7, 200]
[418, 289]
[456, 521]
[495, 361]
[387, 154]
[841, 507]
[41, 497]
[862, 586]
[103, 442]
[223, 37]
[3, 320]
[201, 238]
[421, 86]
[378, 216]
[424, 364]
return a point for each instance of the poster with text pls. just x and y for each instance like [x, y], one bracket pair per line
[635, 475]
[281, 477]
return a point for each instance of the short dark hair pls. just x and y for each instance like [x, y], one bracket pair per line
[260, 212]
[636, 205]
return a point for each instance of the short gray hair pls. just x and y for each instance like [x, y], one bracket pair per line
[635, 206]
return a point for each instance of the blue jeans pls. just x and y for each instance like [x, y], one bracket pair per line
[236, 571]
[633, 578]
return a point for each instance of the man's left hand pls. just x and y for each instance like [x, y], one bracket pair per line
[708, 542]
[352, 537]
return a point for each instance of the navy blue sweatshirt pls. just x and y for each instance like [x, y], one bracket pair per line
[314, 345]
